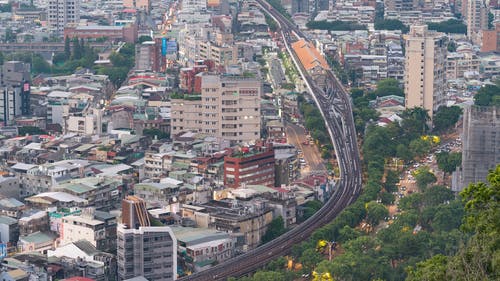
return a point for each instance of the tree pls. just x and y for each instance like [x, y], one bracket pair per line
[424, 177]
[389, 86]
[436, 195]
[404, 153]
[391, 180]
[31, 130]
[67, 48]
[389, 24]
[487, 95]
[268, 276]
[449, 26]
[414, 123]
[10, 36]
[274, 230]
[76, 54]
[375, 212]
[1, 58]
[144, 38]
[446, 117]
[155, 133]
[448, 162]
[433, 269]
[335, 25]
[39, 65]
[420, 147]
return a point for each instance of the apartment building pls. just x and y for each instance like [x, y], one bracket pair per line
[61, 13]
[142, 249]
[476, 19]
[98, 228]
[228, 108]
[425, 68]
[457, 64]
[14, 90]
[250, 165]
[221, 55]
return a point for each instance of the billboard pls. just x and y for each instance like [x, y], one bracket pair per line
[3, 250]
[164, 46]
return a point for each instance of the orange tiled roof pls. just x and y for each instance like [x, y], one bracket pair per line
[308, 55]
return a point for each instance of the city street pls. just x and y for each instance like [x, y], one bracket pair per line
[297, 136]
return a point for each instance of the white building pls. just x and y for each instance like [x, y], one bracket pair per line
[89, 124]
[61, 13]
[228, 108]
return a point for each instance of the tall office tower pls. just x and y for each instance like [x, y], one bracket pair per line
[144, 5]
[228, 108]
[61, 13]
[144, 250]
[425, 68]
[480, 145]
[14, 90]
[477, 19]
[300, 6]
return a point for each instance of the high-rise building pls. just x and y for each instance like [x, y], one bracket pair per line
[425, 68]
[144, 250]
[300, 6]
[477, 19]
[134, 212]
[228, 108]
[481, 145]
[61, 13]
[14, 90]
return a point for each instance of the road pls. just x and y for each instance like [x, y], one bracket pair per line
[335, 107]
[297, 136]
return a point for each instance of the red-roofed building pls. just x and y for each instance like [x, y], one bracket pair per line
[79, 278]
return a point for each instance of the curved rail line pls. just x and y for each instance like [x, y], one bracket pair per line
[340, 126]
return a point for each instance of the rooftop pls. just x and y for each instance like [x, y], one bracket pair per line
[38, 237]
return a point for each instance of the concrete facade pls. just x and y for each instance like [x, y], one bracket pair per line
[425, 69]
[228, 108]
[481, 145]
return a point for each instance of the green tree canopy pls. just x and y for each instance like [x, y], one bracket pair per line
[449, 26]
[274, 230]
[390, 24]
[375, 212]
[446, 117]
[144, 38]
[335, 25]
[424, 177]
[31, 130]
[448, 162]
[488, 95]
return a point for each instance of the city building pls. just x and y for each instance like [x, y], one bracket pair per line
[144, 5]
[127, 33]
[481, 145]
[476, 19]
[228, 108]
[250, 165]
[425, 69]
[15, 90]
[98, 228]
[9, 230]
[142, 249]
[491, 39]
[61, 13]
